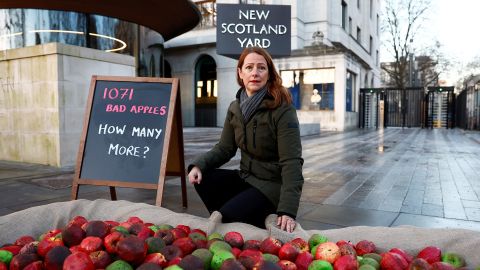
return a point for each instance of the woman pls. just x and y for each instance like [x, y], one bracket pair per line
[263, 123]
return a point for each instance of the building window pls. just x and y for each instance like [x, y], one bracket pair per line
[378, 25]
[358, 4]
[371, 9]
[349, 88]
[370, 45]
[311, 89]
[359, 35]
[208, 9]
[350, 26]
[376, 58]
[344, 15]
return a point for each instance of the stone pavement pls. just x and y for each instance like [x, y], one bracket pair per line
[391, 177]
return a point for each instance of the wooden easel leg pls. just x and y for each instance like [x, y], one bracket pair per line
[113, 194]
[184, 191]
[74, 191]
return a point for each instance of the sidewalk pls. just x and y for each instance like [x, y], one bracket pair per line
[419, 177]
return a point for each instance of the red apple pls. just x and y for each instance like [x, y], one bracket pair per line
[91, 244]
[252, 244]
[178, 233]
[156, 258]
[185, 228]
[37, 265]
[250, 257]
[186, 244]
[97, 228]
[29, 248]
[442, 266]
[78, 221]
[133, 220]
[20, 261]
[235, 239]
[270, 245]
[419, 264]
[287, 265]
[55, 257]
[347, 249]
[145, 233]
[48, 243]
[170, 252]
[111, 241]
[132, 249]
[101, 259]
[174, 261]
[3, 266]
[344, 242]
[303, 260]
[301, 244]
[199, 231]
[236, 251]
[23, 240]
[364, 247]
[288, 252]
[393, 261]
[346, 262]
[73, 235]
[403, 253]
[431, 254]
[327, 251]
[77, 261]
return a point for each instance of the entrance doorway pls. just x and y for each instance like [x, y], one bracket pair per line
[206, 92]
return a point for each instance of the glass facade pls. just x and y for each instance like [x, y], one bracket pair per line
[28, 27]
[311, 89]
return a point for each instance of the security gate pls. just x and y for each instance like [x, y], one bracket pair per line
[402, 107]
[440, 103]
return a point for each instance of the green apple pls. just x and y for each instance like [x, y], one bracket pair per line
[219, 257]
[119, 265]
[369, 261]
[454, 259]
[367, 267]
[377, 257]
[205, 255]
[270, 257]
[6, 256]
[215, 235]
[174, 267]
[316, 239]
[320, 265]
[219, 245]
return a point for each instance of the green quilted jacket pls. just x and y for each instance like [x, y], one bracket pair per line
[271, 152]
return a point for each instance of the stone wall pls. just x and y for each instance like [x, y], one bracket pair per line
[43, 93]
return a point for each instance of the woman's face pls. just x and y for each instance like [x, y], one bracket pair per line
[253, 73]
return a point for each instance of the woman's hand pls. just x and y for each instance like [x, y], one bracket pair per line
[286, 223]
[195, 175]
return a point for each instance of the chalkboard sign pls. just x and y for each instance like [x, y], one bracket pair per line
[126, 137]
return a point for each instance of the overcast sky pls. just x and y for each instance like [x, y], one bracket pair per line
[456, 24]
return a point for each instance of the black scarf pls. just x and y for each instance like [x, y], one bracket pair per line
[249, 105]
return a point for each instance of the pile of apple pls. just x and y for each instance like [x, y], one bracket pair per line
[135, 244]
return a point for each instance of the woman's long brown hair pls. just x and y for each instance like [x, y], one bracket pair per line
[275, 88]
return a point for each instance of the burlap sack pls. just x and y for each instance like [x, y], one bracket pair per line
[37, 220]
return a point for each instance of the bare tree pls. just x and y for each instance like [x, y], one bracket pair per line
[402, 21]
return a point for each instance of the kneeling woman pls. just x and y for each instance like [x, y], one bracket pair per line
[263, 123]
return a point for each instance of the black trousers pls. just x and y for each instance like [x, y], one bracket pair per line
[224, 191]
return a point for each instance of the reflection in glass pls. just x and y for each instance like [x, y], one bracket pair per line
[28, 27]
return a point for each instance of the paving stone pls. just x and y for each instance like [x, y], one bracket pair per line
[432, 210]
